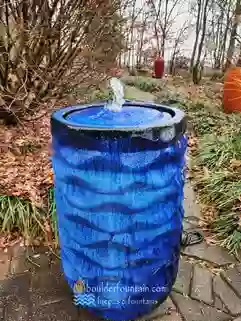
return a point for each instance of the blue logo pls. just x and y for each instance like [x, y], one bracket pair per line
[85, 300]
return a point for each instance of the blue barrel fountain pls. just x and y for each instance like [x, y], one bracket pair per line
[119, 178]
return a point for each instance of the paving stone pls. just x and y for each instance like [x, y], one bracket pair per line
[187, 225]
[18, 250]
[165, 308]
[238, 267]
[28, 262]
[172, 317]
[209, 253]
[227, 295]
[219, 304]
[61, 311]
[202, 285]
[16, 286]
[192, 310]
[191, 224]
[20, 265]
[14, 297]
[191, 208]
[233, 277]
[16, 311]
[184, 276]
[85, 315]
[1, 309]
[48, 285]
[4, 265]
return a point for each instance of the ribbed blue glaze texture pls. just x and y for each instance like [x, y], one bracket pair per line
[120, 210]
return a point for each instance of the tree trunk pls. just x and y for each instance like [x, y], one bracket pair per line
[239, 58]
[227, 26]
[164, 29]
[163, 42]
[218, 39]
[197, 70]
[172, 62]
[139, 57]
[199, 15]
[132, 33]
[157, 13]
[231, 47]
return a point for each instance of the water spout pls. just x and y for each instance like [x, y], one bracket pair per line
[118, 95]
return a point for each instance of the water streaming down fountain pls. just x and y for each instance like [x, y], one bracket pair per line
[119, 176]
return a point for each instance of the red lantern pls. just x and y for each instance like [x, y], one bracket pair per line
[159, 67]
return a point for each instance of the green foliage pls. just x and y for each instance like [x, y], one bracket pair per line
[107, 95]
[19, 215]
[52, 214]
[99, 95]
[218, 151]
[144, 83]
[228, 230]
[221, 186]
[218, 157]
[207, 119]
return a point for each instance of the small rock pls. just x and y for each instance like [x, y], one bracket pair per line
[209, 253]
[202, 285]
[184, 276]
[227, 295]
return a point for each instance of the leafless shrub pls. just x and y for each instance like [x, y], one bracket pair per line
[46, 46]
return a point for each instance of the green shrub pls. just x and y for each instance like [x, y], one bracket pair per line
[19, 215]
[144, 83]
[228, 230]
[218, 151]
[99, 95]
[221, 186]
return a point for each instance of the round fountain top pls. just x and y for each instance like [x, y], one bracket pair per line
[128, 117]
[134, 116]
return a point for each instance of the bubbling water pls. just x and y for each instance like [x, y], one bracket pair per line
[118, 99]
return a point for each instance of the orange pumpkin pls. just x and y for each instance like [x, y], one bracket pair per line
[232, 90]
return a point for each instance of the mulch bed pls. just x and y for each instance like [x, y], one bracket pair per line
[25, 159]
